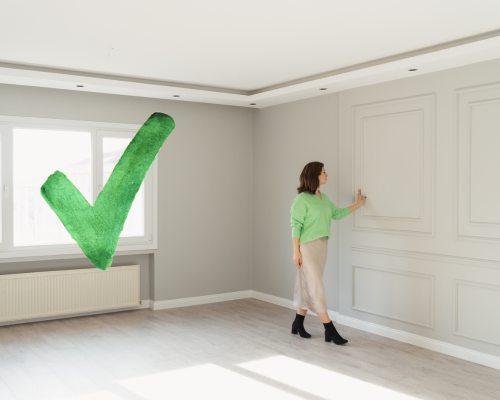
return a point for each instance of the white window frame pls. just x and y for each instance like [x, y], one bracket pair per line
[98, 130]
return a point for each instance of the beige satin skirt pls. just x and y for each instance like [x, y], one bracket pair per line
[309, 290]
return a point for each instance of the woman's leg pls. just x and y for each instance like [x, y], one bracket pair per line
[298, 323]
[324, 317]
[309, 286]
[331, 334]
[298, 300]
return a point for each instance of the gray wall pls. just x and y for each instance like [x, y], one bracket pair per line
[286, 137]
[423, 255]
[205, 191]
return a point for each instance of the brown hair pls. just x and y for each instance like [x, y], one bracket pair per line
[309, 178]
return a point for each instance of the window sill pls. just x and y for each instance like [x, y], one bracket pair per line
[69, 252]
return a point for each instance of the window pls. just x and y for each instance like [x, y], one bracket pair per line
[31, 150]
[37, 154]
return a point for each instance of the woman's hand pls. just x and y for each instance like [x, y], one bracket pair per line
[297, 259]
[361, 199]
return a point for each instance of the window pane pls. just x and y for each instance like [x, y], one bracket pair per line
[37, 154]
[113, 149]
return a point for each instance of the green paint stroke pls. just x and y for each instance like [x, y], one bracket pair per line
[96, 229]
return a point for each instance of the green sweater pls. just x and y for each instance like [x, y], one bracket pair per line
[311, 216]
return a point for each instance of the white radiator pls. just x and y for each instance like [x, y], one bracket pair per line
[48, 294]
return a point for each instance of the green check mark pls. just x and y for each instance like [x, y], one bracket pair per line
[96, 229]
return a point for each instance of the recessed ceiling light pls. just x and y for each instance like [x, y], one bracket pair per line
[253, 104]
[323, 88]
[413, 69]
[176, 95]
[80, 86]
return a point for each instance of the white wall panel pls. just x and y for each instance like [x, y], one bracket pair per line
[403, 296]
[426, 153]
[393, 162]
[473, 301]
[479, 162]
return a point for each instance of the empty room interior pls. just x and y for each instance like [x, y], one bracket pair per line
[244, 200]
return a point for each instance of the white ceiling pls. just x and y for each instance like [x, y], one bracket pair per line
[238, 52]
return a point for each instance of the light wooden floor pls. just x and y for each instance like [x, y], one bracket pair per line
[233, 350]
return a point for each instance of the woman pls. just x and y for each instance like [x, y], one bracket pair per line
[311, 215]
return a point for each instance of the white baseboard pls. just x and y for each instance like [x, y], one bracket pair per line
[145, 304]
[402, 336]
[280, 301]
[420, 341]
[193, 301]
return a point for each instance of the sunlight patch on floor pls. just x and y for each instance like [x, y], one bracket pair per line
[204, 381]
[319, 381]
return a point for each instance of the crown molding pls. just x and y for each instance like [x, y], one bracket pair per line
[443, 56]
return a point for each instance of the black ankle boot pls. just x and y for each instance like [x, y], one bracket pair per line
[332, 334]
[298, 326]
